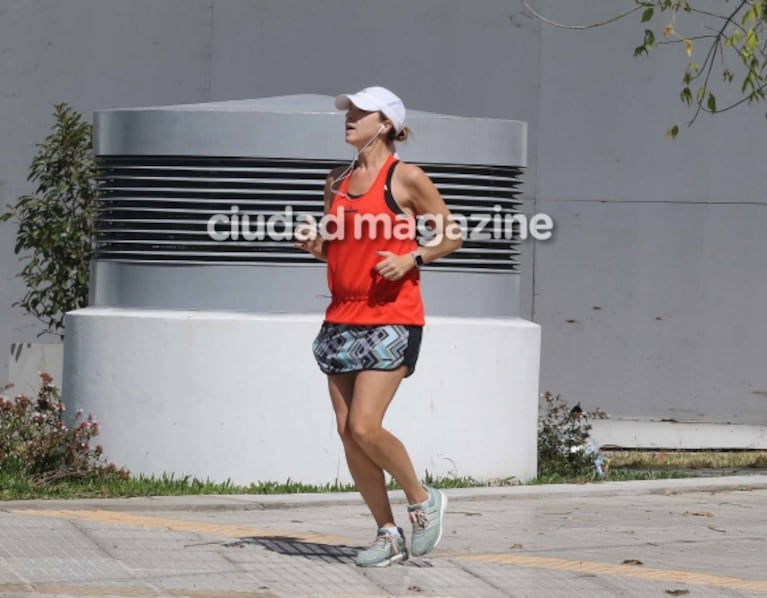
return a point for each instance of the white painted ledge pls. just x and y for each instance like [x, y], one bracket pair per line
[228, 395]
[678, 435]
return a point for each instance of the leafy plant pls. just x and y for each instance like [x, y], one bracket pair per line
[55, 223]
[563, 439]
[36, 444]
[734, 42]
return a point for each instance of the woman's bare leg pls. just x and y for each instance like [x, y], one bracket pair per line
[373, 392]
[368, 477]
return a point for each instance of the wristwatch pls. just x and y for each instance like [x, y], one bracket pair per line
[418, 259]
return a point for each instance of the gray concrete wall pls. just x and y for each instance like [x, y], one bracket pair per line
[650, 293]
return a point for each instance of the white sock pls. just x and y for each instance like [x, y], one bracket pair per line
[394, 531]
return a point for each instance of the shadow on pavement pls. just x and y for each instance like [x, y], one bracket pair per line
[328, 553]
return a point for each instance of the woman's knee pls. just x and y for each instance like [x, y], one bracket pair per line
[362, 430]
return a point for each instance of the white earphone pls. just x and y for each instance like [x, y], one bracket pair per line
[336, 184]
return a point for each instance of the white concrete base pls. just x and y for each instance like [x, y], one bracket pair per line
[28, 360]
[677, 435]
[224, 395]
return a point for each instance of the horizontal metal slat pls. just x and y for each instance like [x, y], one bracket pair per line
[158, 207]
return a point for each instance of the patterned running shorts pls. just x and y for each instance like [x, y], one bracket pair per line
[343, 348]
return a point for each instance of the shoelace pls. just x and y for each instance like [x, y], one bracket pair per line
[386, 539]
[419, 518]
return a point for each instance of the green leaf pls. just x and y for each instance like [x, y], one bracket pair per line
[672, 132]
[647, 14]
[649, 38]
[751, 40]
[746, 82]
[711, 102]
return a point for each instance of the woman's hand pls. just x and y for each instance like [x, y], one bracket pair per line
[309, 240]
[393, 266]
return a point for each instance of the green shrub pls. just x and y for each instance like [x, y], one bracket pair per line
[56, 222]
[37, 444]
[563, 439]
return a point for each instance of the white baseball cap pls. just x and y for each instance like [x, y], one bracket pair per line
[376, 98]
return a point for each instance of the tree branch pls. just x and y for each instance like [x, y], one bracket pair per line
[740, 101]
[666, 42]
[709, 61]
[582, 27]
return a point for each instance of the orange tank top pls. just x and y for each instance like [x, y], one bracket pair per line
[360, 226]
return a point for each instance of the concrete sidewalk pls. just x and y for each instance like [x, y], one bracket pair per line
[697, 537]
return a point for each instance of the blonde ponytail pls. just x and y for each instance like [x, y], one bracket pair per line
[403, 135]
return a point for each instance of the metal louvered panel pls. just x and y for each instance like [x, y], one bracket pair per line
[156, 208]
